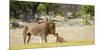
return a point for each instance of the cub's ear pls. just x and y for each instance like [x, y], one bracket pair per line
[56, 33]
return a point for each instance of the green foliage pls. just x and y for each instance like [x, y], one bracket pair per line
[54, 9]
[86, 10]
[41, 7]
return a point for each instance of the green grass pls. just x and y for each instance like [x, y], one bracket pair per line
[72, 43]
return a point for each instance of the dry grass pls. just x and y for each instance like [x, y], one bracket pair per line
[74, 36]
[71, 43]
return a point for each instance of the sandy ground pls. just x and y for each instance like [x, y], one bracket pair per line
[68, 33]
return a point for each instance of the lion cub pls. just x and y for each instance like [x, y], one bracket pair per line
[59, 38]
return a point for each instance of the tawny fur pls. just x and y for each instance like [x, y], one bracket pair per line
[39, 29]
[59, 38]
